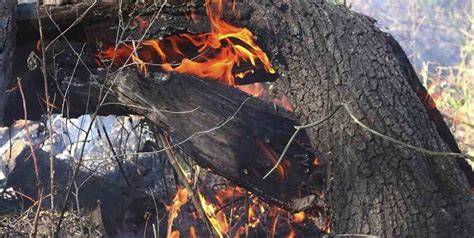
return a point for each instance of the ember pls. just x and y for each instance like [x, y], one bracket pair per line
[298, 217]
[228, 212]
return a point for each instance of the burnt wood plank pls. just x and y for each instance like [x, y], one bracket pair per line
[228, 131]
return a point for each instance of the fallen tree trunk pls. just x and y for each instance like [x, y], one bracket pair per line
[376, 187]
[326, 56]
[7, 48]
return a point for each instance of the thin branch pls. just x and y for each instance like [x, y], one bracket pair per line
[365, 127]
[182, 177]
[151, 109]
[401, 143]
[119, 163]
[101, 101]
[48, 107]
[79, 19]
[27, 129]
[37, 214]
[298, 129]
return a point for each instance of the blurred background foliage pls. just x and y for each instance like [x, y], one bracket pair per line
[438, 37]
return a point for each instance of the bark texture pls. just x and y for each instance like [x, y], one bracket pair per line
[376, 187]
[237, 136]
[7, 47]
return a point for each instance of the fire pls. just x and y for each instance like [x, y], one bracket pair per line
[217, 218]
[273, 157]
[275, 216]
[298, 217]
[229, 217]
[192, 232]
[253, 220]
[174, 234]
[227, 54]
[227, 193]
[38, 45]
[283, 102]
[256, 89]
[292, 234]
[217, 54]
[179, 200]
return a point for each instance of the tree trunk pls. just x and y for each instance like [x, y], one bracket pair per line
[7, 47]
[376, 187]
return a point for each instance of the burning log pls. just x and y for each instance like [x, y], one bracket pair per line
[326, 55]
[229, 131]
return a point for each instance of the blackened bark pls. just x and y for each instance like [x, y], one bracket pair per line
[7, 47]
[376, 187]
[237, 136]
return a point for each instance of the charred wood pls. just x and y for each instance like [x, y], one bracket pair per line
[235, 135]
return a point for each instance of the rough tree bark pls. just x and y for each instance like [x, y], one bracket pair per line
[376, 187]
[7, 47]
[327, 55]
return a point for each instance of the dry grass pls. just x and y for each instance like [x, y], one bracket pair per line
[75, 225]
[453, 90]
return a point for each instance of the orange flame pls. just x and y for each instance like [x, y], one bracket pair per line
[283, 102]
[275, 218]
[298, 217]
[292, 234]
[38, 45]
[179, 200]
[256, 89]
[273, 157]
[192, 232]
[217, 218]
[174, 234]
[225, 194]
[222, 54]
[254, 214]
[253, 220]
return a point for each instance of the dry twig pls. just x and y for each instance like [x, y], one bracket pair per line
[182, 177]
[345, 106]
